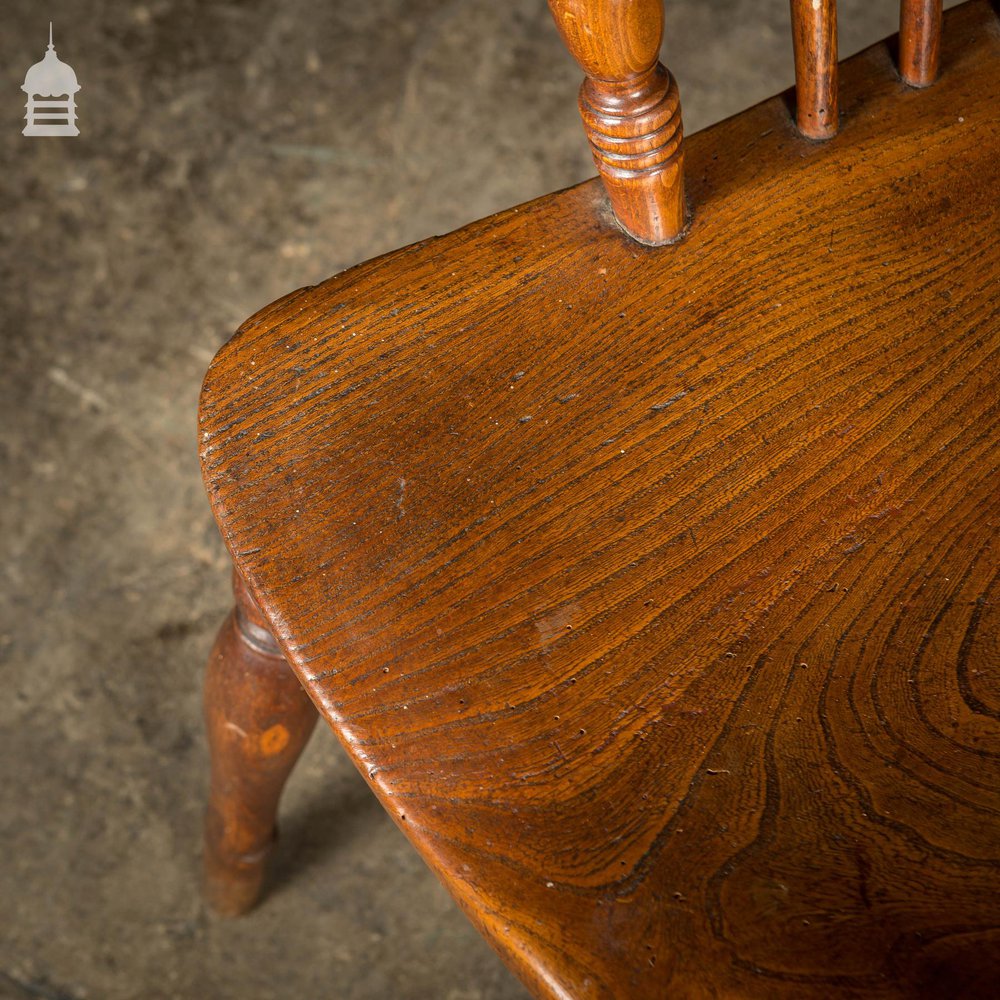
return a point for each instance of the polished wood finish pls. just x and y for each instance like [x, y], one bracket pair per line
[259, 720]
[654, 592]
[919, 41]
[631, 111]
[814, 39]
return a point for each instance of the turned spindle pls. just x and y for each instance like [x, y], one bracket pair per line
[814, 39]
[919, 41]
[259, 719]
[631, 110]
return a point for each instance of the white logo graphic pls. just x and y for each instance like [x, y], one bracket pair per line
[50, 78]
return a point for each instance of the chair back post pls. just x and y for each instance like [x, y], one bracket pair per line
[631, 111]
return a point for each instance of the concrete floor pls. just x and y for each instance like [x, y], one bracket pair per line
[232, 151]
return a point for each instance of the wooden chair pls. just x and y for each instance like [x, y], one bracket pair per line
[653, 589]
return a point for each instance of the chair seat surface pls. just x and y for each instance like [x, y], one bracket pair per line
[654, 591]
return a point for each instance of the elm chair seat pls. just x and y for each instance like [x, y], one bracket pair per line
[654, 590]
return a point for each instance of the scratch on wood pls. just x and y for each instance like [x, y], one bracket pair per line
[669, 402]
[400, 509]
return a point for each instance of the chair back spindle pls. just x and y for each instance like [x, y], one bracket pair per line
[631, 107]
[919, 41]
[814, 40]
[631, 110]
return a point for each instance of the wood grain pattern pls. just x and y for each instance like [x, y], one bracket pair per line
[655, 592]
[814, 39]
[259, 720]
[919, 41]
[631, 111]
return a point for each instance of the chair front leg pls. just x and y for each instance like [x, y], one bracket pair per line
[259, 719]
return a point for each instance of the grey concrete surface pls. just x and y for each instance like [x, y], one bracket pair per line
[229, 152]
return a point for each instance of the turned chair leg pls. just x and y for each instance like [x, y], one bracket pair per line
[259, 719]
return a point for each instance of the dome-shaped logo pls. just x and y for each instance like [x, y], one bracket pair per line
[51, 86]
